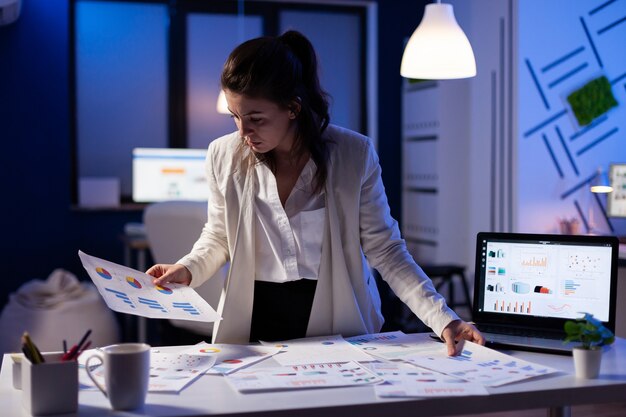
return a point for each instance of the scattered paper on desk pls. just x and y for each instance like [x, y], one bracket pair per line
[169, 372]
[229, 358]
[130, 291]
[393, 345]
[324, 349]
[323, 375]
[477, 363]
[404, 380]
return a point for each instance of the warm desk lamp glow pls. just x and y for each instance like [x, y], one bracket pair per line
[438, 49]
[600, 183]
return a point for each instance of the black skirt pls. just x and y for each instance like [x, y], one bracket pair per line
[281, 310]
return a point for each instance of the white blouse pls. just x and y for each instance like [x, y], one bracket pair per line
[288, 240]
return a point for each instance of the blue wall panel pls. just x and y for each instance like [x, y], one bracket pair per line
[566, 45]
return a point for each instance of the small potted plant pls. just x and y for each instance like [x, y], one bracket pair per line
[592, 335]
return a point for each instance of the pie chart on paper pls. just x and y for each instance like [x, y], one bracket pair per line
[163, 290]
[133, 282]
[103, 273]
[209, 350]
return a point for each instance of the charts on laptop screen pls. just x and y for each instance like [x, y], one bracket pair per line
[545, 276]
[161, 174]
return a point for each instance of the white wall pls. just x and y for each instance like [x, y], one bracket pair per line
[491, 200]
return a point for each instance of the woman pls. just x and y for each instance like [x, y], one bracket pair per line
[297, 206]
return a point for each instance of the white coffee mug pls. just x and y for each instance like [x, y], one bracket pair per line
[126, 374]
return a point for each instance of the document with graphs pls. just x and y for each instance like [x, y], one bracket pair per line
[127, 290]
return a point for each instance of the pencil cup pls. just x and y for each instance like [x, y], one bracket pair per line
[126, 374]
[50, 387]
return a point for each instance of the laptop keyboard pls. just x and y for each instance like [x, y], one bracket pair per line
[521, 332]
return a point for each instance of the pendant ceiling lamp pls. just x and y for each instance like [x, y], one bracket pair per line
[438, 49]
[222, 105]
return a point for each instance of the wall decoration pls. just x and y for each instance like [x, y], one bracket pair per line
[592, 100]
[572, 120]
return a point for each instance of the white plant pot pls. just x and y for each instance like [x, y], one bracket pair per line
[587, 362]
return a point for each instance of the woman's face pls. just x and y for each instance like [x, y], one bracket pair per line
[262, 123]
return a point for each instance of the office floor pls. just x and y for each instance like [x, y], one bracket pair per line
[604, 410]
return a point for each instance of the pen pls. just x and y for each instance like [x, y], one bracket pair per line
[36, 355]
[70, 353]
[84, 338]
[27, 354]
[76, 349]
[84, 348]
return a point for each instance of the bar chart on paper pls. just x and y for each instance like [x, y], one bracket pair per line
[129, 291]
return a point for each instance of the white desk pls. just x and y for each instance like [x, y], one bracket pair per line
[212, 396]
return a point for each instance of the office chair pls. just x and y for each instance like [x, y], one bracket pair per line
[172, 227]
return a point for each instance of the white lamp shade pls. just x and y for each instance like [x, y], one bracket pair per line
[600, 183]
[438, 49]
[601, 189]
[222, 105]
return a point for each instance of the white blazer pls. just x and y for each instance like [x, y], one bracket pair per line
[358, 226]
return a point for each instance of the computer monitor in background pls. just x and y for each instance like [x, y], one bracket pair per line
[161, 174]
[616, 200]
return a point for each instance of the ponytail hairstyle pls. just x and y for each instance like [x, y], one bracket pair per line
[283, 69]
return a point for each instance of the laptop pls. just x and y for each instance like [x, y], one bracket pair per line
[528, 285]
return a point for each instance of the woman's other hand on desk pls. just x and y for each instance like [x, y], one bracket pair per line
[459, 330]
[165, 273]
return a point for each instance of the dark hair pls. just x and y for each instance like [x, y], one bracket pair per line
[283, 69]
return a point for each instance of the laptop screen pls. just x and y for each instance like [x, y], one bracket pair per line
[544, 280]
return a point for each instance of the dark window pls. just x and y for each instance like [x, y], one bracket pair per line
[146, 73]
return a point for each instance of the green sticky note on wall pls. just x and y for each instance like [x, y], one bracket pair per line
[592, 100]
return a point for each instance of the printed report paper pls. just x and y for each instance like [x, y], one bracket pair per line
[169, 372]
[404, 380]
[323, 349]
[480, 364]
[229, 358]
[127, 290]
[322, 375]
[393, 345]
